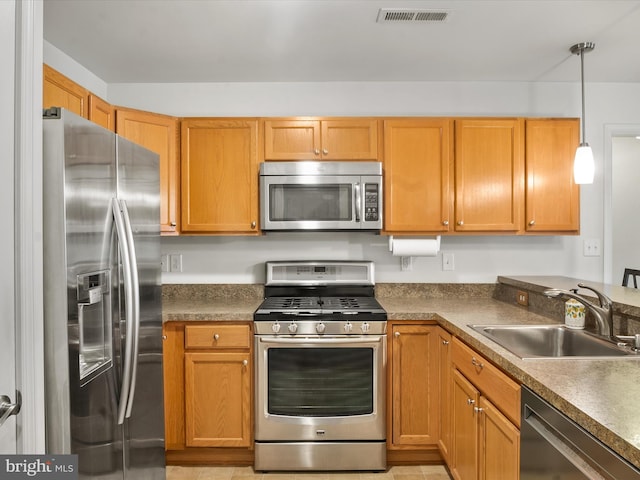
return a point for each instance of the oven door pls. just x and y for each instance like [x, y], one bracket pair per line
[320, 202]
[320, 389]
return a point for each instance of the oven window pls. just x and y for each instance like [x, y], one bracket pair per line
[320, 382]
[325, 202]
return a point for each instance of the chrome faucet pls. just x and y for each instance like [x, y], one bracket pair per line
[602, 313]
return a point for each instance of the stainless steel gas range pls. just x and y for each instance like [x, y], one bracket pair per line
[320, 338]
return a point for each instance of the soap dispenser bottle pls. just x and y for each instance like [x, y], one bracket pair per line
[574, 313]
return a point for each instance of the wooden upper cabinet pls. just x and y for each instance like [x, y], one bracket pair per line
[102, 113]
[220, 176]
[489, 178]
[158, 133]
[314, 139]
[417, 175]
[552, 197]
[59, 91]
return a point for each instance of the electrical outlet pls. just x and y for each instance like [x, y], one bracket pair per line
[591, 247]
[176, 262]
[522, 298]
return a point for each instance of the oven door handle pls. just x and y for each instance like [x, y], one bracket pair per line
[322, 341]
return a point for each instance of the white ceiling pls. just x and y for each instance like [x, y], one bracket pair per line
[340, 40]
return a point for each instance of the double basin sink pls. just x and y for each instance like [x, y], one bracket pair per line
[552, 341]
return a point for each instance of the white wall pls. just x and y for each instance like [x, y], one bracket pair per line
[477, 259]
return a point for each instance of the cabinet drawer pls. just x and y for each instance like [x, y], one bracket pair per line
[492, 383]
[217, 336]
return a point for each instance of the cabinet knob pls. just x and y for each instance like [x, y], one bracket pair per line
[173, 224]
[253, 224]
[445, 342]
[470, 401]
[245, 362]
[460, 222]
[216, 337]
[317, 151]
[445, 222]
[164, 337]
[477, 409]
[397, 334]
[325, 151]
[476, 363]
[532, 223]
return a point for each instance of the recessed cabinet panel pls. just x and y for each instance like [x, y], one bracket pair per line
[552, 196]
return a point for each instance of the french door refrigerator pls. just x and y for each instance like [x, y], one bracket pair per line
[102, 300]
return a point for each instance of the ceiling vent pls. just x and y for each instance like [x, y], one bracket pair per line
[389, 15]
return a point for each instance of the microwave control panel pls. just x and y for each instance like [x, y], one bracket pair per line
[371, 202]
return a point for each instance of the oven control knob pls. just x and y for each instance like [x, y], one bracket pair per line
[348, 327]
[275, 327]
[293, 327]
[365, 327]
[320, 327]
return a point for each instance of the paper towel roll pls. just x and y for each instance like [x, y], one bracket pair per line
[414, 247]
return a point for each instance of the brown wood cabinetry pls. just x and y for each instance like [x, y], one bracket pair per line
[59, 91]
[102, 113]
[321, 139]
[485, 416]
[413, 394]
[445, 390]
[489, 175]
[219, 176]
[208, 391]
[552, 198]
[158, 133]
[417, 175]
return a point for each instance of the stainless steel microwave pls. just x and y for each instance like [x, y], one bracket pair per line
[321, 195]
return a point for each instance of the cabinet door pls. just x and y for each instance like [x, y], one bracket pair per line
[292, 140]
[217, 399]
[500, 445]
[552, 199]
[173, 368]
[489, 165]
[59, 91]
[158, 133]
[349, 139]
[414, 379]
[417, 175]
[445, 387]
[220, 176]
[102, 113]
[465, 399]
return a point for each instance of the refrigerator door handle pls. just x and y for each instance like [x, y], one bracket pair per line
[123, 246]
[136, 304]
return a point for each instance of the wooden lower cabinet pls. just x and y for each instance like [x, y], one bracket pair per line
[485, 441]
[412, 393]
[445, 390]
[208, 377]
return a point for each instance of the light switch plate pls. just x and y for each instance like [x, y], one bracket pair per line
[448, 261]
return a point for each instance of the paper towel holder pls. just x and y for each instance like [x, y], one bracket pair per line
[406, 261]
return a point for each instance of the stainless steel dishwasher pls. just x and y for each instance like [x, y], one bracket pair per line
[554, 447]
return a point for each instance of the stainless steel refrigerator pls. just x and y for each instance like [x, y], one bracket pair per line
[102, 300]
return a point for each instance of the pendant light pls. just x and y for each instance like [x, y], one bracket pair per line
[583, 164]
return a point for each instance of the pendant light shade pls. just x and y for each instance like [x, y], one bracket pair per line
[583, 164]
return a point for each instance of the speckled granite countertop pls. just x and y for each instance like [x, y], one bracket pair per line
[601, 395]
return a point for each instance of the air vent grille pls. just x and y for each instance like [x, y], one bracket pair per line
[387, 15]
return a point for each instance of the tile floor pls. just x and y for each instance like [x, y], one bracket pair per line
[424, 472]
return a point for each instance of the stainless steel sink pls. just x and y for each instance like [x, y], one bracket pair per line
[551, 341]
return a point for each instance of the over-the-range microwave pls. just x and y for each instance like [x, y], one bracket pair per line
[321, 195]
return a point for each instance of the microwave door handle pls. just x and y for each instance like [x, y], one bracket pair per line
[358, 201]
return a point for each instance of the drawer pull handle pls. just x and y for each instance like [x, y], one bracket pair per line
[470, 401]
[476, 363]
[216, 337]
